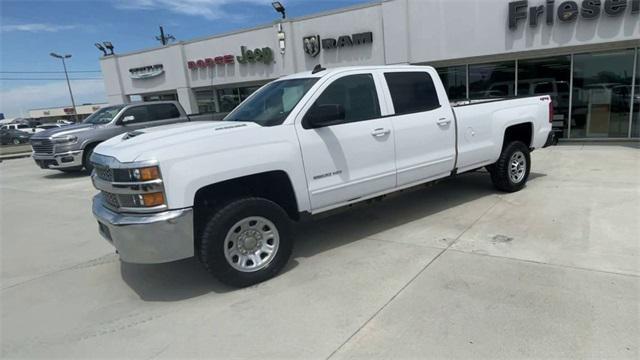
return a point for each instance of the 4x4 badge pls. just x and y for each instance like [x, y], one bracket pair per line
[311, 45]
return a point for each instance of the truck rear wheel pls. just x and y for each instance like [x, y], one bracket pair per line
[246, 241]
[511, 171]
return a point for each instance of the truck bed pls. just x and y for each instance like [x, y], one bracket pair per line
[480, 123]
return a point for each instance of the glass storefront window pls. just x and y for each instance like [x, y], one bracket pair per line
[548, 76]
[160, 97]
[492, 80]
[454, 79]
[228, 99]
[246, 91]
[635, 122]
[206, 100]
[232, 97]
[601, 94]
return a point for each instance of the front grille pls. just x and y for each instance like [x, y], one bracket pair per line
[104, 173]
[111, 175]
[42, 146]
[121, 192]
[111, 199]
[117, 201]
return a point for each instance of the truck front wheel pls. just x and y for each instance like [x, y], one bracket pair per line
[246, 241]
[86, 158]
[511, 171]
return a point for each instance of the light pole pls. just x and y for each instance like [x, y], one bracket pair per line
[66, 75]
[277, 6]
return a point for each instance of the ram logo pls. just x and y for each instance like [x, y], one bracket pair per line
[312, 45]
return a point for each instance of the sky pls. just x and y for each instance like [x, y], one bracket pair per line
[30, 30]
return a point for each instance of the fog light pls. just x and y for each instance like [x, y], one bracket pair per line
[152, 199]
[67, 159]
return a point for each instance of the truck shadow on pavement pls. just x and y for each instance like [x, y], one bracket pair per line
[174, 281]
[362, 221]
[186, 279]
[66, 175]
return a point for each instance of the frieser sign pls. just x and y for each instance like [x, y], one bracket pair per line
[247, 56]
[568, 11]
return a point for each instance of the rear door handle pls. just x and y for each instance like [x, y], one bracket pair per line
[443, 121]
[380, 132]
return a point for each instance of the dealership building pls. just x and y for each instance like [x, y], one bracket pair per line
[584, 53]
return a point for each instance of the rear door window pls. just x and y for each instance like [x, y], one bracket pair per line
[163, 112]
[412, 92]
[141, 114]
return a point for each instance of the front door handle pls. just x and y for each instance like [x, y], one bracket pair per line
[379, 132]
[443, 121]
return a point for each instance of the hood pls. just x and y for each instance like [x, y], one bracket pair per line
[65, 130]
[129, 146]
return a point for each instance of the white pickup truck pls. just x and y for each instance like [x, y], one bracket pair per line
[227, 191]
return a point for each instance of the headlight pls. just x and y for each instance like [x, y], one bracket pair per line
[68, 139]
[146, 173]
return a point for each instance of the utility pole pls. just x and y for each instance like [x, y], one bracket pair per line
[66, 75]
[164, 39]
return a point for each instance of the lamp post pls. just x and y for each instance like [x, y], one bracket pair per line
[66, 75]
[277, 6]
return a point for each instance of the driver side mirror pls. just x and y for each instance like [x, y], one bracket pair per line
[325, 115]
[127, 119]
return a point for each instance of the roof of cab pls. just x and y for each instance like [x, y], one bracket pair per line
[330, 71]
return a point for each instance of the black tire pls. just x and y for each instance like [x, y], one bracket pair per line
[501, 170]
[212, 240]
[88, 166]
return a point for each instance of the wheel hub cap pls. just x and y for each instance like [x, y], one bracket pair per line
[251, 244]
[249, 240]
[517, 166]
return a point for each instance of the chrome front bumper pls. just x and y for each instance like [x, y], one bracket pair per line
[147, 238]
[64, 160]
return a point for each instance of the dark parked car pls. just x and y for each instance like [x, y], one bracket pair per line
[11, 136]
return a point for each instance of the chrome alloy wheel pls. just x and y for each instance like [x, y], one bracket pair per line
[517, 167]
[251, 244]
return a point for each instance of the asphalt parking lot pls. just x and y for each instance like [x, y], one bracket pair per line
[452, 270]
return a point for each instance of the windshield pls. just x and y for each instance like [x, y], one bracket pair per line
[104, 115]
[272, 103]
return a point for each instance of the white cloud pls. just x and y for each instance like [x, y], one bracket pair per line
[17, 101]
[35, 28]
[209, 9]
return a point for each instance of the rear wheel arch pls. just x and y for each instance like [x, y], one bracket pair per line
[522, 132]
